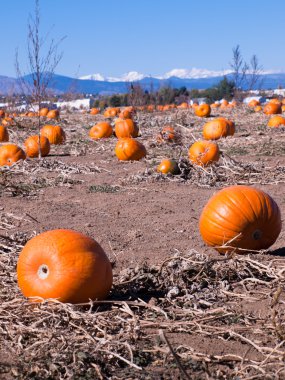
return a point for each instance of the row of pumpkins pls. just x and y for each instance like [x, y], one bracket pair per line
[73, 268]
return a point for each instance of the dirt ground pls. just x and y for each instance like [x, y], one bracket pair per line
[178, 309]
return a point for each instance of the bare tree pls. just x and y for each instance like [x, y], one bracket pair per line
[254, 75]
[43, 58]
[239, 67]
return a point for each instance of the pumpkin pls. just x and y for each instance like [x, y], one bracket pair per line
[275, 101]
[272, 108]
[111, 112]
[283, 108]
[43, 112]
[231, 125]
[53, 114]
[4, 135]
[2, 113]
[204, 153]
[257, 109]
[150, 108]
[94, 111]
[276, 121]
[168, 166]
[125, 114]
[215, 105]
[242, 217]
[128, 149]
[167, 134]
[215, 129]
[65, 265]
[183, 105]
[8, 121]
[253, 103]
[54, 133]
[32, 146]
[203, 110]
[101, 130]
[126, 128]
[11, 153]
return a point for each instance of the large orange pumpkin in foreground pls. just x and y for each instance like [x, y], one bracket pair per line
[11, 153]
[101, 130]
[33, 143]
[242, 218]
[4, 135]
[203, 110]
[126, 128]
[204, 153]
[276, 121]
[66, 265]
[272, 108]
[215, 129]
[128, 149]
[54, 133]
[168, 166]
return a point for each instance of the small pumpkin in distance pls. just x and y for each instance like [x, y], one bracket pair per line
[4, 135]
[66, 265]
[53, 114]
[240, 218]
[204, 153]
[101, 130]
[11, 153]
[129, 149]
[257, 109]
[168, 166]
[54, 133]
[94, 111]
[203, 110]
[253, 103]
[272, 109]
[44, 111]
[33, 143]
[276, 121]
[126, 128]
[167, 134]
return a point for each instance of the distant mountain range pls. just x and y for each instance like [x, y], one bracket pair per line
[97, 84]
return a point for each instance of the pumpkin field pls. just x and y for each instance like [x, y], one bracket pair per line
[174, 290]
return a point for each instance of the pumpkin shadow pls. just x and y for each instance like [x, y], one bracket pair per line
[278, 252]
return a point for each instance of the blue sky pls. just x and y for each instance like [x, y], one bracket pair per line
[150, 36]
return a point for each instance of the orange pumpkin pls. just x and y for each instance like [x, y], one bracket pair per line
[111, 112]
[231, 125]
[11, 153]
[272, 109]
[241, 217]
[168, 166]
[275, 101]
[283, 108]
[54, 133]
[253, 103]
[276, 121]
[53, 114]
[215, 129]
[203, 110]
[32, 144]
[215, 105]
[257, 109]
[128, 149]
[204, 153]
[101, 130]
[125, 114]
[167, 134]
[4, 135]
[183, 105]
[94, 111]
[44, 111]
[65, 265]
[8, 121]
[126, 128]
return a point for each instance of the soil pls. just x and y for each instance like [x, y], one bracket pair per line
[143, 219]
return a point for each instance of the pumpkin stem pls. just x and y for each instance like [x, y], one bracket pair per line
[43, 271]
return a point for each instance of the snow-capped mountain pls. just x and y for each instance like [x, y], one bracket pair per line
[131, 76]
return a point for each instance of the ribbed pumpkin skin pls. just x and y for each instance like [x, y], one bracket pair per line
[204, 153]
[128, 149]
[43, 111]
[204, 110]
[246, 215]
[32, 146]
[168, 166]
[78, 268]
[231, 125]
[54, 133]
[11, 153]
[53, 114]
[101, 130]
[4, 135]
[126, 128]
[215, 129]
